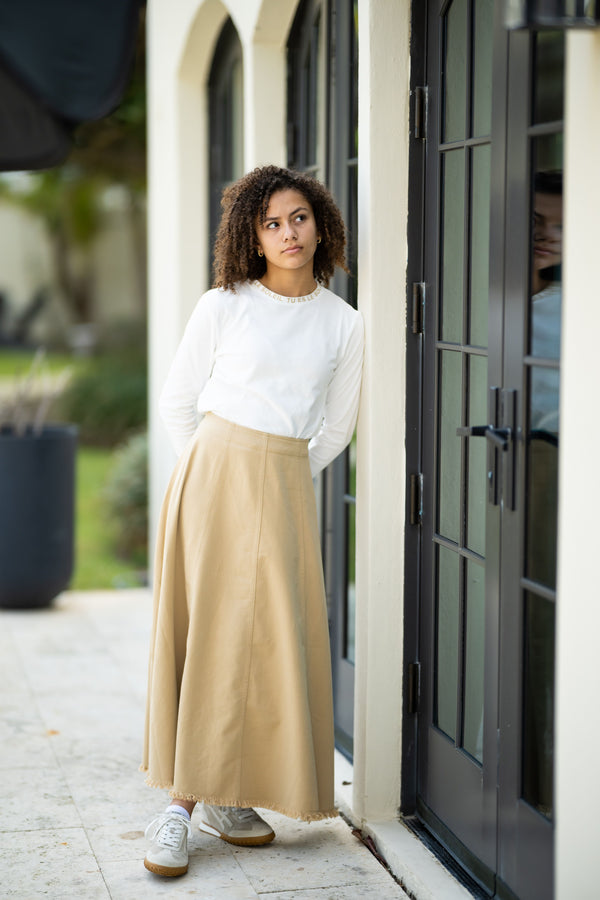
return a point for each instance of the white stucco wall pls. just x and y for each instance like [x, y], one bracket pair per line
[577, 723]
[384, 65]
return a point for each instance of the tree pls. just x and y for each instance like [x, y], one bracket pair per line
[108, 152]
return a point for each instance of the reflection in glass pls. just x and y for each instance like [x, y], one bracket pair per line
[542, 477]
[538, 704]
[549, 76]
[453, 246]
[546, 262]
[482, 65]
[237, 120]
[474, 650]
[455, 71]
[449, 444]
[477, 459]
[311, 95]
[542, 449]
[544, 379]
[447, 640]
[352, 232]
[480, 245]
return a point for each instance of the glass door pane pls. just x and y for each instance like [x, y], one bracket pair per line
[453, 236]
[474, 656]
[448, 628]
[480, 245]
[462, 325]
[538, 704]
[455, 68]
[482, 67]
[541, 487]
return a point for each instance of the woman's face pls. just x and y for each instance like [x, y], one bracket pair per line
[547, 230]
[288, 235]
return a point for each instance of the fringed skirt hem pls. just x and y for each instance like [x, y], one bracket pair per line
[310, 816]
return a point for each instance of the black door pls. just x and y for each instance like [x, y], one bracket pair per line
[489, 443]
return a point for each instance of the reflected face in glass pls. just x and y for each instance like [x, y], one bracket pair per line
[547, 231]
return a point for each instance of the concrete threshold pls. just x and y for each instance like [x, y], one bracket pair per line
[418, 871]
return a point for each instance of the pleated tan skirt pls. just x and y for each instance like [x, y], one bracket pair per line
[239, 709]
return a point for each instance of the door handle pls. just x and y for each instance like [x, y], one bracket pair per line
[502, 445]
[499, 437]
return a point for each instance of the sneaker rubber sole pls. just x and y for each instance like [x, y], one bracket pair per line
[167, 871]
[256, 841]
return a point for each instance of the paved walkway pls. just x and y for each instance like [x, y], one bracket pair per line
[73, 805]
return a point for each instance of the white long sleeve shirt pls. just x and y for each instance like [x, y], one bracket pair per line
[285, 365]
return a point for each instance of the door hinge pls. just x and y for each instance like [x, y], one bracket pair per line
[418, 306]
[416, 498]
[421, 113]
[413, 686]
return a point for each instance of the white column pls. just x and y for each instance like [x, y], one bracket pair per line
[163, 237]
[264, 41]
[577, 725]
[265, 102]
[384, 31]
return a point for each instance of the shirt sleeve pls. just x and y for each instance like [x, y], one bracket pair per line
[341, 404]
[189, 372]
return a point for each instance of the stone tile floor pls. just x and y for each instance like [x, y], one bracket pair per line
[73, 805]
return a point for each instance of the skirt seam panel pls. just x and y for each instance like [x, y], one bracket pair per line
[250, 661]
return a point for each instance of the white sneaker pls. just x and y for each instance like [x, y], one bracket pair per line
[243, 827]
[168, 836]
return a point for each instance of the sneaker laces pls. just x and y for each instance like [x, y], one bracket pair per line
[166, 829]
[239, 814]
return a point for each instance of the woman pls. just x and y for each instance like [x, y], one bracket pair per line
[262, 395]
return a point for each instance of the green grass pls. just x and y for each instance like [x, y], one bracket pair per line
[96, 564]
[17, 362]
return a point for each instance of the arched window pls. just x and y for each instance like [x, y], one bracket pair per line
[225, 92]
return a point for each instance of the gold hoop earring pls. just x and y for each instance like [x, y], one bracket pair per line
[318, 240]
[259, 251]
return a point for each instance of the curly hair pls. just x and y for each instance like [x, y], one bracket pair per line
[246, 201]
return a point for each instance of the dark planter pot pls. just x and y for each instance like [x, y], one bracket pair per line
[37, 504]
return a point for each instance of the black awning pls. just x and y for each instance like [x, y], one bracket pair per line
[61, 63]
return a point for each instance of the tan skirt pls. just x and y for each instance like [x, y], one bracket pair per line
[239, 709]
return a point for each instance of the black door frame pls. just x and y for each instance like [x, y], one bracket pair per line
[509, 205]
[472, 838]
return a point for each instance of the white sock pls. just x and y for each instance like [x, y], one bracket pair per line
[174, 807]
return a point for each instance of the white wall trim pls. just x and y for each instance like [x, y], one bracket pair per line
[577, 718]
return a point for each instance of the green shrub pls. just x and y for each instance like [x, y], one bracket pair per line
[126, 497]
[107, 399]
